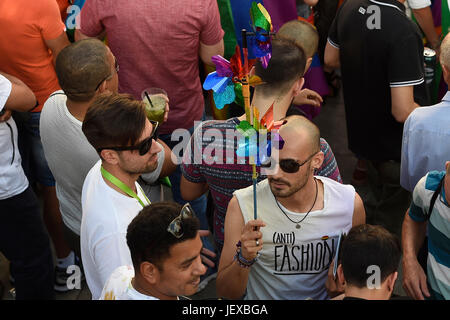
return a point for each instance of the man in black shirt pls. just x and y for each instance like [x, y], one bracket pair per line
[380, 53]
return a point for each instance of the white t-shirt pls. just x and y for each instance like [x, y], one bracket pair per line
[119, 287]
[12, 178]
[106, 216]
[293, 263]
[418, 4]
[70, 156]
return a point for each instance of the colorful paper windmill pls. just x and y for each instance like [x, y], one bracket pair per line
[262, 27]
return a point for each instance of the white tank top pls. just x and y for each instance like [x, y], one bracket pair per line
[293, 263]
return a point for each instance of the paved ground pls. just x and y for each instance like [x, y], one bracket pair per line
[331, 122]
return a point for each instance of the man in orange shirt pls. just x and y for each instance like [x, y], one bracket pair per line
[32, 36]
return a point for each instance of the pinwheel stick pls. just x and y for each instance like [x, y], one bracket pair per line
[254, 178]
[244, 81]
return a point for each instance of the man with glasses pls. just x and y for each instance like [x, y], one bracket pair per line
[164, 242]
[85, 70]
[283, 81]
[117, 127]
[287, 251]
[429, 209]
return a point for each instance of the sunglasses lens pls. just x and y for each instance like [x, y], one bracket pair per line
[176, 228]
[289, 166]
[145, 146]
[187, 211]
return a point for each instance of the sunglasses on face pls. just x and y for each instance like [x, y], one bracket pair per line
[116, 66]
[289, 165]
[176, 226]
[144, 146]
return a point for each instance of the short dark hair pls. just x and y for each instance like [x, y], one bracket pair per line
[114, 119]
[81, 67]
[367, 245]
[286, 65]
[147, 235]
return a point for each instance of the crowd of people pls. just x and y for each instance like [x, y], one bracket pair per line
[76, 131]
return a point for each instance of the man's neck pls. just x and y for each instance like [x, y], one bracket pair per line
[262, 103]
[303, 200]
[126, 178]
[140, 285]
[366, 293]
[78, 109]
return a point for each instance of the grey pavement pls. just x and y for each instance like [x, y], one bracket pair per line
[331, 122]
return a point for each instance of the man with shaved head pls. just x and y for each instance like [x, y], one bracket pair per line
[426, 133]
[305, 35]
[286, 253]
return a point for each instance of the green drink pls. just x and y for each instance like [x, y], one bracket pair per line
[155, 104]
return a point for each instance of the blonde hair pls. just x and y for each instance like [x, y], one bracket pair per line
[302, 33]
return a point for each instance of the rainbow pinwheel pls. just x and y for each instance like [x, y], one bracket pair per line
[231, 81]
[262, 27]
[226, 80]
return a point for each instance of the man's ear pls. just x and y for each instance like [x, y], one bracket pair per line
[340, 275]
[102, 88]
[297, 86]
[391, 281]
[308, 64]
[110, 156]
[317, 160]
[149, 272]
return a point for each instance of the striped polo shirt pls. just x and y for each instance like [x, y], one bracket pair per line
[438, 262]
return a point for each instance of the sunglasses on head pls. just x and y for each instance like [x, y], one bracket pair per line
[176, 226]
[289, 165]
[144, 146]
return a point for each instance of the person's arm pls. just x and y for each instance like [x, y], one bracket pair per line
[168, 165]
[425, 20]
[402, 102]
[359, 213]
[309, 97]
[57, 44]
[211, 34]
[311, 3]
[206, 52]
[331, 57]
[21, 98]
[414, 278]
[192, 190]
[232, 279]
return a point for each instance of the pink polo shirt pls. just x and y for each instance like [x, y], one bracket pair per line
[156, 44]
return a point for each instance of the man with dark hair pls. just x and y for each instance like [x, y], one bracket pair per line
[369, 250]
[382, 65]
[287, 251]
[284, 81]
[84, 70]
[117, 127]
[165, 245]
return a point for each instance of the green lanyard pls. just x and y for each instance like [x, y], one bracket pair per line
[122, 186]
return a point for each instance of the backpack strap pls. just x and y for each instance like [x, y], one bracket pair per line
[434, 197]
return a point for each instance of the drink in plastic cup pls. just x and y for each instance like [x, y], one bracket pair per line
[155, 109]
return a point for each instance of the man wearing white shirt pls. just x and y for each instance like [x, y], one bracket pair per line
[85, 69]
[426, 133]
[165, 245]
[117, 127]
[23, 237]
